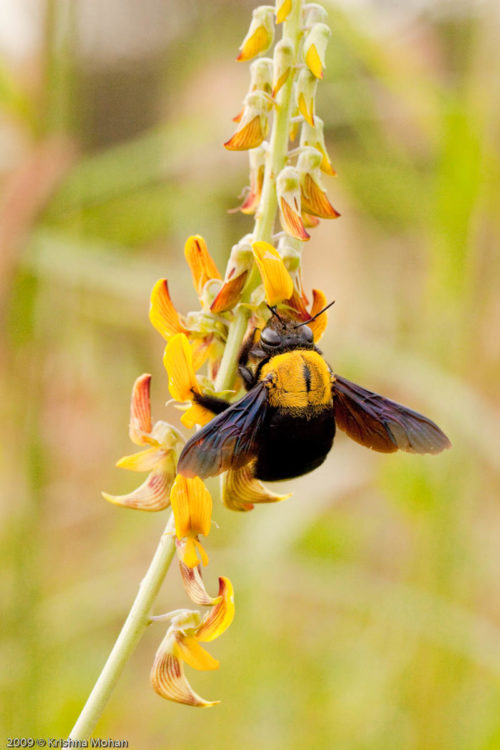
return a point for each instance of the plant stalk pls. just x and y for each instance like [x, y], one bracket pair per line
[133, 628]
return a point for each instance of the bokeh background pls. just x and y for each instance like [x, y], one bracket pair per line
[368, 605]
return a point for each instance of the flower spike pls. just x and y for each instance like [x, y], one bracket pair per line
[278, 284]
[260, 35]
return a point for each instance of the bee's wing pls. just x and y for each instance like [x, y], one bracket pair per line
[381, 424]
[229, 441]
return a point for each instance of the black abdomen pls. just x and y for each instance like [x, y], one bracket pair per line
[293, 445]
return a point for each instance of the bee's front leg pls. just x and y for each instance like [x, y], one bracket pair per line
[245, 351]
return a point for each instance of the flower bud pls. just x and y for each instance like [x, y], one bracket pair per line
[315, 45]
[254, 123]
[288, 191]
[305, 93]
[314, 13]
[257, 160]
[238, 267]
[260, 35]
[314, 136]
[283, 10]
[283, 64]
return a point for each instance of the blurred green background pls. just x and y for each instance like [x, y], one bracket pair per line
[368, 605]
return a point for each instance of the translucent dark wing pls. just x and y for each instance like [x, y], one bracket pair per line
[229, 441]
[381, 424]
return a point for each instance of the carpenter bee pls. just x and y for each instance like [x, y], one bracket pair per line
[286, 422]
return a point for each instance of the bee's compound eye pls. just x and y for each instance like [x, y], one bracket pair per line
[307, 333]
[270, 337]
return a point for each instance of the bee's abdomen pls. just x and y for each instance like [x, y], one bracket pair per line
[293, 445]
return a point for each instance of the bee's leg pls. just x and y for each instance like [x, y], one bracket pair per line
[212, 403]
[245, 373]
[246, 348]
[247, 376]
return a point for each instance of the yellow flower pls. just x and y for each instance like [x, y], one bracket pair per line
[240, 490]
[192, 507]
[182, 382]
[159, 458]
[288, 191]
[260, 35]
[181, 645]
[278, 284]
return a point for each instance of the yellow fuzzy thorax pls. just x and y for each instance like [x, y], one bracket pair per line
[300, 379]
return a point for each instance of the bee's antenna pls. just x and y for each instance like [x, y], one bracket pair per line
[273, 311]
[305, 322]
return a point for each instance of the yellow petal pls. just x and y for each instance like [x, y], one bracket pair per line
[192, 506]
[281, 81]
[240, 490]
[178, 361]
[313, 61]
[229, 294]
[194, 586]
[283, 10]
[221, 616]
[258, 42]
[162, 313]
[318, 326]
[278, 284]
[196, 414]
[314, 200]
[201, 350]
[306, 111]
[249, 136]
[154, 492]
[143, 461]
[190, 651]
[140, 410]
[326, 165]
[168, 679]
[200, 262]
[292, 221]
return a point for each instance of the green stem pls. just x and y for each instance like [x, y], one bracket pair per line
[266, 214]
[136, 623]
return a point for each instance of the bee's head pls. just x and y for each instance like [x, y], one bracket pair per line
[282, 334]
